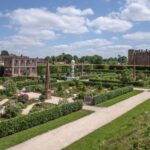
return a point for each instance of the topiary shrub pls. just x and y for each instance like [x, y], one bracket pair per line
[10, 86]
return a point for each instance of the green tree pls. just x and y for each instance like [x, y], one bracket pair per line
[122, 59]
[4, 53]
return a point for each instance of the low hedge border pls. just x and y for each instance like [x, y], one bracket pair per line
[20, 123]
[107, 96]
[135, 83]
[21, 84]
[141, 83]
[104, 84]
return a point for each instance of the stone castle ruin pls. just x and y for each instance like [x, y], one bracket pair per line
[139, 57]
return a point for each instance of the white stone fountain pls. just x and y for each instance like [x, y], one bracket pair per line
[72, 77]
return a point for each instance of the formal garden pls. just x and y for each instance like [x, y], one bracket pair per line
[23, 103]
[94, 87]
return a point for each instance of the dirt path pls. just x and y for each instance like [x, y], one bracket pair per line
[71, 132]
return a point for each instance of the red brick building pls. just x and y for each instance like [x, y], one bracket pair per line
[139, 57]
[20, 66]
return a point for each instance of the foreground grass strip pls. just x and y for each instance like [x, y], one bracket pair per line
[119, 98]
[22, 136]
[118, 128]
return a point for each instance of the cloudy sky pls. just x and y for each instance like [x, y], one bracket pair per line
[79, 27]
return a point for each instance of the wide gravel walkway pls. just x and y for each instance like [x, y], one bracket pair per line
[67, 134]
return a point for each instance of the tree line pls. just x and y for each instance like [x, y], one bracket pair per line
[95, 59]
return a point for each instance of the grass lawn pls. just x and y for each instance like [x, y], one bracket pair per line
[22, 136]
[118, 99]
[131, 131]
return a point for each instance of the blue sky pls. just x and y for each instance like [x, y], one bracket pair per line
[50, 27]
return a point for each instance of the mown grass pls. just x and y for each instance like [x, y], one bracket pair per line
[118, 99]
[20, 137]
[131, 131]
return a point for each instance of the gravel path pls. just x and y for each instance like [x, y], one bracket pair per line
[71, 132]
[27, 109]
[2, 102]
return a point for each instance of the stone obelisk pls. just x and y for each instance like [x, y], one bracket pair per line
[47, 81]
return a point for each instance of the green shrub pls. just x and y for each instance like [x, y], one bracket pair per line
[107, 96]
[42, 97]
[81, 95]
[100, 86]
[11, 111]
[17, 124]
[60, 87]
[11, 88]
[21, 84]
[35, 88]
[141, 83]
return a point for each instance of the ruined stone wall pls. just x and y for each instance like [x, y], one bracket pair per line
[139, 57]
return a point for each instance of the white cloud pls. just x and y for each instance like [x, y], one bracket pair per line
[35, 26]
[114, 38]
[81, 47]
[137, 36]
[110, 24]
[102, 47]
[71, 10]
[136, 10]
[42, 19]
[20, 42]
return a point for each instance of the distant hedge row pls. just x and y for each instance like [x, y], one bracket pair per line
[114, 70]
[17, 124]
[135, 83]
[65, 83]
[18, 78]
[21, 84]
[141, 83]
[104, 84]
[106, 81]
[107, 96]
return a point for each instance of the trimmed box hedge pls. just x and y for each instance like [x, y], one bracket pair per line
[141, 83]
[20, 123]
[21, 84]
[104, 84]
[107, 96]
